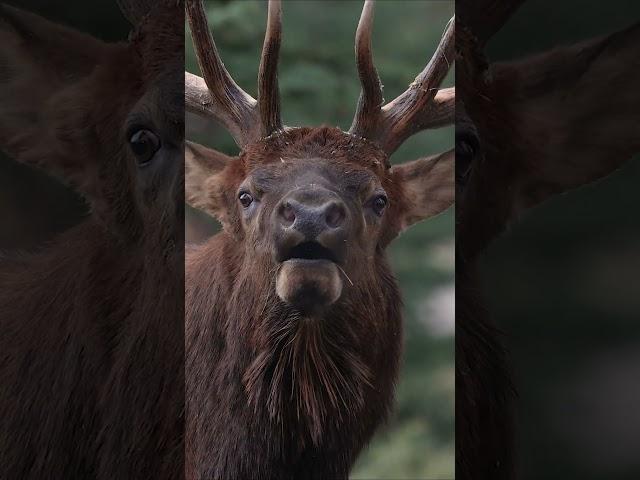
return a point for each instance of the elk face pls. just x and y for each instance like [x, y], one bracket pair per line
[316, 218]
[322, 224]
[105, 118]
[320, 212]
[153, 136]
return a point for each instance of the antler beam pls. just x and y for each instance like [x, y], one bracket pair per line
[371, 98]
[420, 107]
[218, 96]
[268, 91]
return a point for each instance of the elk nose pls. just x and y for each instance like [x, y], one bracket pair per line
[312, 219]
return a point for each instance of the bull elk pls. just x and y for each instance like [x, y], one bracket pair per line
[293, 316]
[525, 130]
[91, 369]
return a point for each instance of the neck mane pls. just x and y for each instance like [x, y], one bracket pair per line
[309, 375]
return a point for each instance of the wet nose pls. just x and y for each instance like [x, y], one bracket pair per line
[313, 218]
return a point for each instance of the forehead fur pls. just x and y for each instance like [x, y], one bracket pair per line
[320, 142]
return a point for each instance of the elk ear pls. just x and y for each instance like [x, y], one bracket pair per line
[428, 185]
[40, 63]
[571, 114]
[201, 178]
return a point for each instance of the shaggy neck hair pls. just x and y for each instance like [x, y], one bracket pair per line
[308, 375]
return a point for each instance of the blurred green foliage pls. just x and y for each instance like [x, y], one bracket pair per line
[319, 85]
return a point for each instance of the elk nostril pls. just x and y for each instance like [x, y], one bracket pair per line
[335, 215]
[287, 213]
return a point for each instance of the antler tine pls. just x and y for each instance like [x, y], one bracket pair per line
[421, 106]
[441, 112]
[268, 92]
[371, 99]
[218, 95]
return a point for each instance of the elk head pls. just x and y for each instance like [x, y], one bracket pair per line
[533, 128]
[105, 118]
[316, 206]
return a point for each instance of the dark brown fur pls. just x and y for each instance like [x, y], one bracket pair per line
[299, 398]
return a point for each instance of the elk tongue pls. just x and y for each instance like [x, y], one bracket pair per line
[309, 284]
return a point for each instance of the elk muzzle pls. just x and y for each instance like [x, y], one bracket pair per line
[311, 236]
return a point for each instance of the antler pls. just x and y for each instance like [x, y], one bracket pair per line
[217, 95]
[420, 107]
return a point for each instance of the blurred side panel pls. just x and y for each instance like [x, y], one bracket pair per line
[547, 148]
[92, 239]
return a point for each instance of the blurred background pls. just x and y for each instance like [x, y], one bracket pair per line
[563, 285]
[319, 85]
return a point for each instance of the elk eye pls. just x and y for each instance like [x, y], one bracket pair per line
[144, 144]
[245, 199]
[467, 145]
[465, 148]
[379, 204]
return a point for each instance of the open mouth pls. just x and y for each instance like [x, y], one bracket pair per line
[309, 277]
[310, 251]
